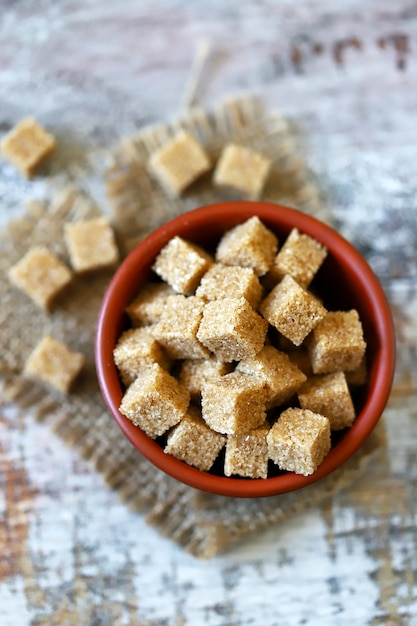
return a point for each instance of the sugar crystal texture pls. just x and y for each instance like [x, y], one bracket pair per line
[250, 244]
[155, 401]
[234, 403]
[194, 372]
[177, 328]
[231, 329]
[193, 442]
[233, 281]
[182, 264]
[136, 349]
[299, 441]
[282, 378]
[329, 395]
[247, 454]
[292, 310]
[300, 256]
[147, 306]
[337, 343]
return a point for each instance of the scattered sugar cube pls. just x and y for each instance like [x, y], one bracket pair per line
[242, 170]
[337, 343]
[292, 310]
[136, 349]
[146, 308]
[182, 264]
[281, 377]
[41, 275]
[329, 395]
[299, 441]
[247, 454]
[234, 281]
[193, 442]
[301, 256]
[179, 163]
[194, 372]
[177, 328]
[250, 244]
[27, 146]
[53, 363]
[234, 403]
[91, 244]
[155, 401]
[231, 329]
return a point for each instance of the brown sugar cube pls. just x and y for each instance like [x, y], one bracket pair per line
[235, 403]
[242, 170]
[91, 244]
[182, 264]
[177, 328]
[231, 329]
[27, 146]
[292, 310]
[329, 395]
[41, 275]
[146, 308]
[300, 256]
[194, 372]
[250, 244]
[179, 163]
[281, 377]
[155, 401]
[193, 442]
[136, 349]
[337, 343]
[299, 441]
[52, 362]
[231, 281]
[247, 454]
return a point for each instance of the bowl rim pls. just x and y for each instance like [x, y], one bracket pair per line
[383, 372]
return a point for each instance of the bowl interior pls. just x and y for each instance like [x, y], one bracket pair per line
[344, 281]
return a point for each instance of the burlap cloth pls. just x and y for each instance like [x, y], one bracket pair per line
[203, 524]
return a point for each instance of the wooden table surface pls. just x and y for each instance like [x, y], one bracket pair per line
[346, 73]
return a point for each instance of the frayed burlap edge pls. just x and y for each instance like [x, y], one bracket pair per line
[203, 524]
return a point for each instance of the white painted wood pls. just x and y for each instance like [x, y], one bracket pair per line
[345, 72]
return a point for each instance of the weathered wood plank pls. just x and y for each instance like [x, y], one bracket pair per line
[71, 553]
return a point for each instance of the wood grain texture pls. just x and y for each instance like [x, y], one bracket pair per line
[345, 73]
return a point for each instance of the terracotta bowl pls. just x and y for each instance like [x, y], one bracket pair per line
[344, 281]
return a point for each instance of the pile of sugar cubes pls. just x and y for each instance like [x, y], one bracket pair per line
[231, 350]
